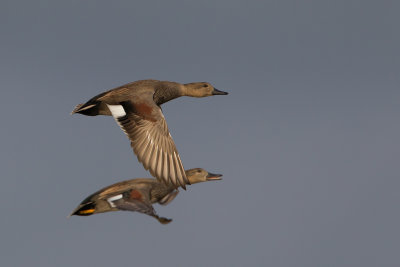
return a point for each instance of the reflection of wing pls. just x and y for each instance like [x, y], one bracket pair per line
[168, 198]
[134, 205]
[145, 126]
[134, 200]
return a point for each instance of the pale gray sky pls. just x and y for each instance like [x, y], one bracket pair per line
[307, 139]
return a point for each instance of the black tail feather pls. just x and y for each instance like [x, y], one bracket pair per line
[84, 209]
[88, 109]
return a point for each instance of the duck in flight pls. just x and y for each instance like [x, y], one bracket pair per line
[138, 195]
[136, 108]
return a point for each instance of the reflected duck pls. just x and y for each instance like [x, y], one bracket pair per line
[138, 195]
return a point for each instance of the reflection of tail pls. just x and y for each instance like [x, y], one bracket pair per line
[84, 209]
[162, 220]
[89, 109]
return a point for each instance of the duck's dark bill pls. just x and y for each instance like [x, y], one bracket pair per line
[213, 176]
[218, 92]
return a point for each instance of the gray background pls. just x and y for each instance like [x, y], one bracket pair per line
[307, 140]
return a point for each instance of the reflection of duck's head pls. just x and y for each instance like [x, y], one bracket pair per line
[199, 175]
[201, 89]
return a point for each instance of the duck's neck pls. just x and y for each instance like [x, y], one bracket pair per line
[167, 91]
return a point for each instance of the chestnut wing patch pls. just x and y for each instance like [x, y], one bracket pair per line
[135, 194]
[144, 110]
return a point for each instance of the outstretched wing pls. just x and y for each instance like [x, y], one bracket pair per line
[134, 200]
[145, 126]
[134, 205]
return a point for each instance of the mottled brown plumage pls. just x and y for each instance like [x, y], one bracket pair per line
[136, 108]
[138, 195]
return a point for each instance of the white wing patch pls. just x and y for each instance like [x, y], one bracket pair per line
[116, 110]
[111, 199]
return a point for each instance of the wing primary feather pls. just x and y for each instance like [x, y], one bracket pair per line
[184, 178]
[144, 150]
[141, 145]
[147, 159]
[165, 168]
[172, 172]
[159, 165]
[177, 167]
[154, 159]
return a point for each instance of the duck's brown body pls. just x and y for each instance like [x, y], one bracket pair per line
[137, 195]
[136, 108]
[161, 91]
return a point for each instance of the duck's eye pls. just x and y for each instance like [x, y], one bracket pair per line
[198, 171]
[206, 85]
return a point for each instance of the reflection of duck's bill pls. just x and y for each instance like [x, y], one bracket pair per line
[218, 92]
[213, 176]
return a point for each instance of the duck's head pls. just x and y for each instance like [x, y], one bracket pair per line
[199, 175]
[201, 89]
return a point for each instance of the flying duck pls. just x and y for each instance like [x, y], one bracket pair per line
[136, 108]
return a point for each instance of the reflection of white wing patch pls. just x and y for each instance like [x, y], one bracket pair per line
[116, 110]
[111, 199]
